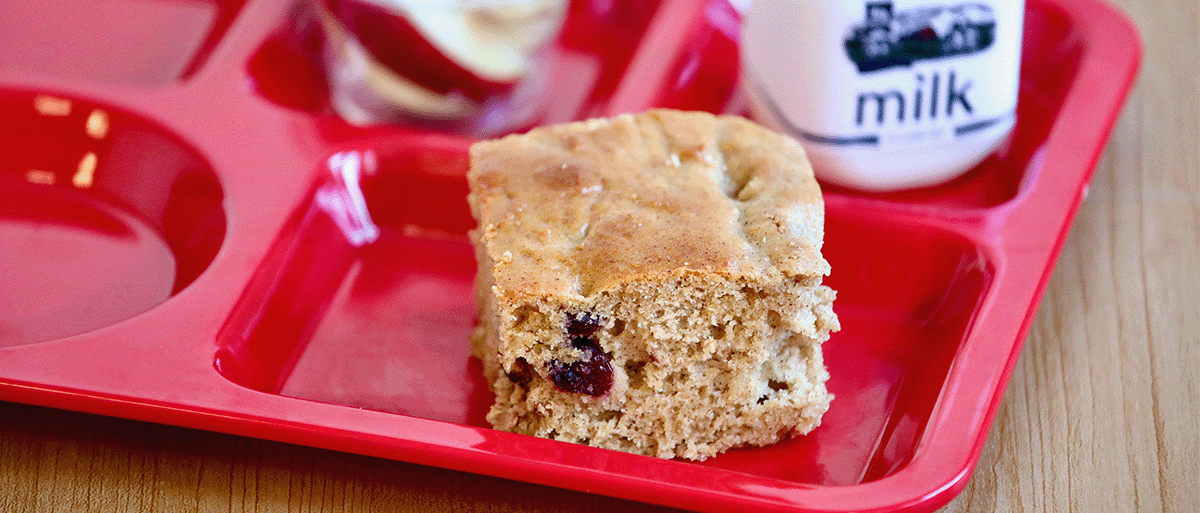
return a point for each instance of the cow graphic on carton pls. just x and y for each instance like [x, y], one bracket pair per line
[890, 38]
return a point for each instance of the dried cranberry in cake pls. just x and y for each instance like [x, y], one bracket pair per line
[584, 324]
[521, 374]
[583, 343]
[592, 376]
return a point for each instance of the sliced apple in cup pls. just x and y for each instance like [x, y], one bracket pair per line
[443, 58]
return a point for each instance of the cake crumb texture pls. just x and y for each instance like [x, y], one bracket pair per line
[651, 283]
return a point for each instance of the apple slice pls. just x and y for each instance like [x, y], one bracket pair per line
[473, 48]
[364, 92]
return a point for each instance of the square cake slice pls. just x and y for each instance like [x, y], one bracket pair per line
[651, 283]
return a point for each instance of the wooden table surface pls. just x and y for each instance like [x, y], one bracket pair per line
[1101, 414]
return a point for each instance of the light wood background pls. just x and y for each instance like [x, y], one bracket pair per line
[1102, 412]
[1103, 409]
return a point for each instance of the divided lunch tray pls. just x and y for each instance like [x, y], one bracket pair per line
[179, 244]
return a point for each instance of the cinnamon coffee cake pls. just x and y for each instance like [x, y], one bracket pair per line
[651, 283]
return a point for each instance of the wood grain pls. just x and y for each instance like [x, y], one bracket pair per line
[1101, 414]
[1102, 410]
[58, 461]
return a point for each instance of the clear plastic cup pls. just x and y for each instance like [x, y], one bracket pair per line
[476, 67]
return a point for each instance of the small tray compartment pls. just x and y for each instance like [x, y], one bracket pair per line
[114, 41]
[104, 216]
[588, 61]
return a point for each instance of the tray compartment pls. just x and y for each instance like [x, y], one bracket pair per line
[113, 41]
[384, 326]
[907, 296]
[105, 216]
[589, 61]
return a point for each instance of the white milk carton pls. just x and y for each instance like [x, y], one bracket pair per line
[886, 94]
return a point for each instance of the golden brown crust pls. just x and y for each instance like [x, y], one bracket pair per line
[640, 196]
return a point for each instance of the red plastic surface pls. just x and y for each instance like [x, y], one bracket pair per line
[189, 255]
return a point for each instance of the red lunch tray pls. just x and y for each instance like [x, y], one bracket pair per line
[176, 247]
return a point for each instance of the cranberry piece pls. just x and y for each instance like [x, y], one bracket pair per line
[521, 374]
[592, 376]
[584, 324]
[584, 343]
